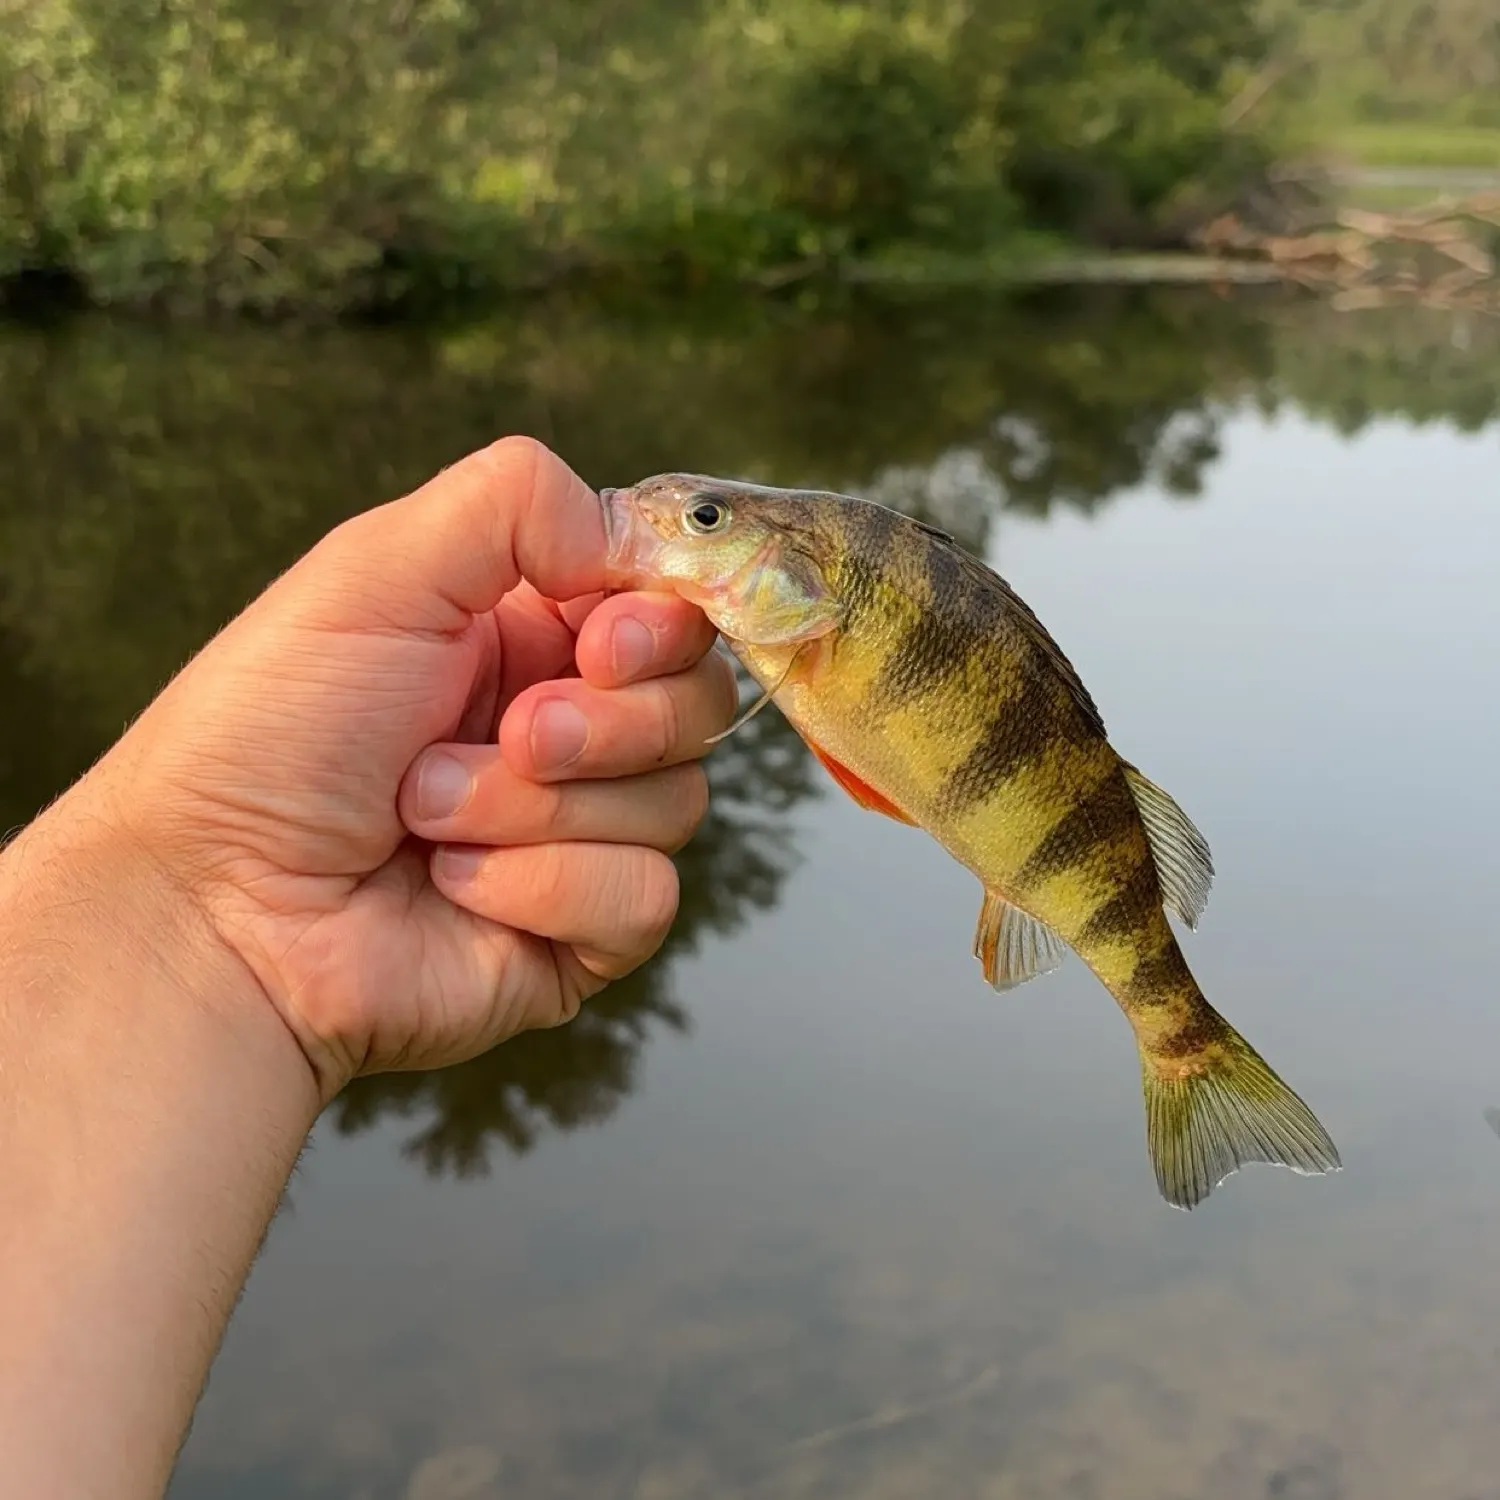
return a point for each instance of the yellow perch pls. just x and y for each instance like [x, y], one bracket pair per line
[933, 695]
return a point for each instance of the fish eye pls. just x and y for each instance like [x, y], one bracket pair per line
[705, 516]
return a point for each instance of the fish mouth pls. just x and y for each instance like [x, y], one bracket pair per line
[606, 504]
[617, 508]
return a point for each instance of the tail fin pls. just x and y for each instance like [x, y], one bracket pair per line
[1203, 1125]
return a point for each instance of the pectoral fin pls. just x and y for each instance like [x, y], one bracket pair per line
[862, 792]
[1012, 946]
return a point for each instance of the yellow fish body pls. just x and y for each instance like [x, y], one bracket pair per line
[934, 695]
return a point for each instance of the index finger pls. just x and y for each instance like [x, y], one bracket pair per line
[621, 639]
[638, 635]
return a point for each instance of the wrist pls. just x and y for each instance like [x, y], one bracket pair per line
[153, 1109]
[88, 905]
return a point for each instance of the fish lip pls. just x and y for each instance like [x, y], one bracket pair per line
[606, 497]
[619, 540]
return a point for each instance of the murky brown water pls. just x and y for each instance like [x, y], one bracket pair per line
[805, 1210]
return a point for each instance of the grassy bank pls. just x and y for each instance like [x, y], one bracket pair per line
[1408, 143]
[1391, 83]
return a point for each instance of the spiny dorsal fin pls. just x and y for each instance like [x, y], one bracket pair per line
[1037, 633]
[1012, 946]
[938, 532]
[1183, 863]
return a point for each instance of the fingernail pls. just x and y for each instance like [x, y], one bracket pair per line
[558, 734]
[443, 786]
[458, 864]
[631, 646]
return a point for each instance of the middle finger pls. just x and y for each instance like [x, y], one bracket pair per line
[566, 730]
[466, 794]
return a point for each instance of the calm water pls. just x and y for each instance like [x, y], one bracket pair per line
[804, 1209]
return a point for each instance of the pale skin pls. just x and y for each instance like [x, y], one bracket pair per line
[229, 918]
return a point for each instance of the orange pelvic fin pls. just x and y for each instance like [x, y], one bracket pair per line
[862, 792]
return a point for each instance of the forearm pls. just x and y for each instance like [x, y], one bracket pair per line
[152, 1106]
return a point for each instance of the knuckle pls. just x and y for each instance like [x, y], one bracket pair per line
[345, 544]
[344, 569]
[690, 798]
[668, 721]
[515, 451]
[513, 465]
[352, 530]
[509, 815]
[655, 897]
[726, 687]
[550, 877]
[686, 631]
[556, 810]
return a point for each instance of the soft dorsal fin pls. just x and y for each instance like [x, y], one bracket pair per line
[1012, 946]
[862, 792]
[1183, 863]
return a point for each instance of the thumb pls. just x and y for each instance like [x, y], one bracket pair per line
[455, 547]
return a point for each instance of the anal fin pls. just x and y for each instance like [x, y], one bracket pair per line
[1014, 947]
[862, 792]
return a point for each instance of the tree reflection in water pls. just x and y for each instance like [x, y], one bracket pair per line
[577, 1075]
[152, 479]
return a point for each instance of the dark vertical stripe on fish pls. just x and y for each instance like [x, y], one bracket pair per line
[934, 646]
[1100, 817]
[1160, 978]
[1200, 1029]
[1130, 908]
[862, 571]
[1019, 731]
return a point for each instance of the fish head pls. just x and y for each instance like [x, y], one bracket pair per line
[751, 558]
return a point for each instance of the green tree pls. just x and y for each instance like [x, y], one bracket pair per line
[265, 153]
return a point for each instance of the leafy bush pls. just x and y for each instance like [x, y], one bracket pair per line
[260, 153]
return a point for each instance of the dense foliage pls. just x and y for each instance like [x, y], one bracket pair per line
[263, 152]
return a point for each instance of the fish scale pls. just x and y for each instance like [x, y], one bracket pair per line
[934, 695]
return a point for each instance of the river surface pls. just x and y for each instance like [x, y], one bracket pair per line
[804, 1209]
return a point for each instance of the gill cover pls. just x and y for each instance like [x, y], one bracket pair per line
[779, 598]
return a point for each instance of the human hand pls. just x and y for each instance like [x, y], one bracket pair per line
[285, 784]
